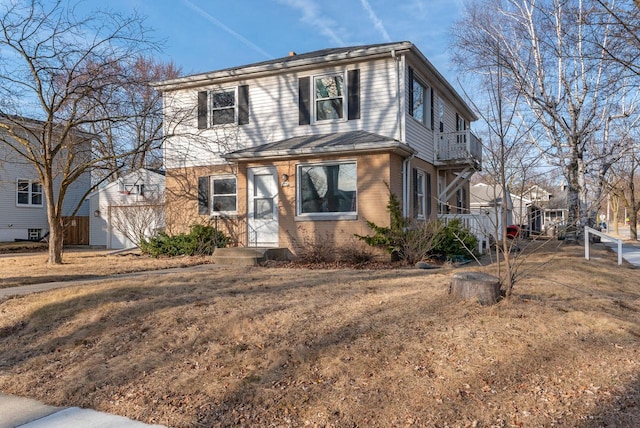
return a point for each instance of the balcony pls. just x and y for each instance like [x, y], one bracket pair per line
[459, 148]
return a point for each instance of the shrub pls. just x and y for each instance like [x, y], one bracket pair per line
[405, 239]
[355, 252]
[454, 240]
[317, 249]
[201, 240]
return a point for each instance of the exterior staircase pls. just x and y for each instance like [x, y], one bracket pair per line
[248, 256]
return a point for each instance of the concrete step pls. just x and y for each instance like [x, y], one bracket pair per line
[248, 256]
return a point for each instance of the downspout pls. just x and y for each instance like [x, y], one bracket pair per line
[406, 168]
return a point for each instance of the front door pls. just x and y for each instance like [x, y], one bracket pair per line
[262, 204]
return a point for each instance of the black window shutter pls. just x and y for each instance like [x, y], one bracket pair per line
[410, 91]
[353, 86]
[433, 120]
[304, 101]
[458, 122]
[202, 110]
[429, 195]
[415, 192]
[243, 104]
[203, 195]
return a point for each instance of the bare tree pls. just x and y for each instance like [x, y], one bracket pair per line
[623, 43]
[64, 71]
[139, 137]
[627, 176]
[552, 55]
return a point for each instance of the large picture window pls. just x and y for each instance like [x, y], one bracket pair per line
[329, 97]
[28, 193]
[327, 188]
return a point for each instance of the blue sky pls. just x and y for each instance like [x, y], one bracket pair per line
[206, 35]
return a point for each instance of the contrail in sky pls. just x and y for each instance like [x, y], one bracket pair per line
[312, 16]
[234, 34]
[377, 22]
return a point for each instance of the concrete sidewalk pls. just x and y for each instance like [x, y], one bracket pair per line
[630, 248]
[28, 413]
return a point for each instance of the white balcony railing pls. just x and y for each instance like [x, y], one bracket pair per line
[459, 147]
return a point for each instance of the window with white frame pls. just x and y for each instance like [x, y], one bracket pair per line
[28, 193]
[226, 106]
[419, 195]
[217, 195]
[327, 188]
[329, 97]
[223, 107]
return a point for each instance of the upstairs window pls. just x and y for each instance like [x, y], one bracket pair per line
[28, 193]
[329, 97]
[223, 107]
[420, 101]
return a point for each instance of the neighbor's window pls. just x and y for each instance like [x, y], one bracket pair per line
[29, 193]
[223, 107]
[329, 97]
[327, 188]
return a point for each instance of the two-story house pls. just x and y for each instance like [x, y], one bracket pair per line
[23, 209]
[311, 144]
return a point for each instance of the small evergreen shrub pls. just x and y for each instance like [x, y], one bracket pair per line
[454, 240]
[201, 240]
[405, 239]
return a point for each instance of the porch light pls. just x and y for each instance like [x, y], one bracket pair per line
[96, 213]
[285, 180]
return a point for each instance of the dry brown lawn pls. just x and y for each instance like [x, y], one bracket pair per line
[283, 346]
[32, 267]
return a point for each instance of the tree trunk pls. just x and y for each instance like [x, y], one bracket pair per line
[475, 286]
[56, 238]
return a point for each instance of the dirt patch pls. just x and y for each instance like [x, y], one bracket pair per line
[337, 347]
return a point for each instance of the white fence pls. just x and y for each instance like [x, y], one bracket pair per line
[588, 231]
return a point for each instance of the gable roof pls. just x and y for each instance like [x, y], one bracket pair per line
[341, 142]
[135, 173]
[486, 195]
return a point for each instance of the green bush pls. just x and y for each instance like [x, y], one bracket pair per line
[201, 240]
[454, 240]
[405, 239]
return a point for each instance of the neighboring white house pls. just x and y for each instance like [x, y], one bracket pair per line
[123, 211]
[23, 209]
[488, 200]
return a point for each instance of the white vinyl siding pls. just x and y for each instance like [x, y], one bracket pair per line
[112, 197]
[273, 108]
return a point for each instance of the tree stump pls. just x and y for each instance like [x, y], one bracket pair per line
[475, 286]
